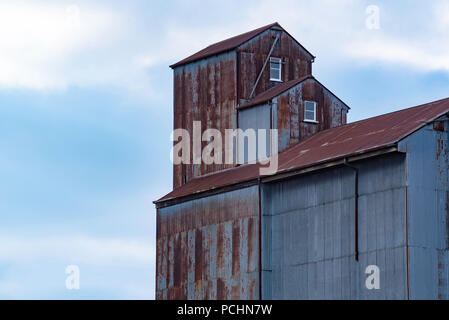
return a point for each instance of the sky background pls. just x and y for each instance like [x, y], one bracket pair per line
[86, 117]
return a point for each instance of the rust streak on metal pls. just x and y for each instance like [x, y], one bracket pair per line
[235, 248]
[259, 213]
[353, 139]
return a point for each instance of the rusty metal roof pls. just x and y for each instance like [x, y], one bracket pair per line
[336, 143]
[277, 90]
[274, 92]
[230, 44]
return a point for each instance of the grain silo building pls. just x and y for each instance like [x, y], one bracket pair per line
[345, 196]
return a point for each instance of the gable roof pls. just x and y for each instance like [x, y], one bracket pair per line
[274, 92]
[329, 145]
[230, 44]
[279, 89]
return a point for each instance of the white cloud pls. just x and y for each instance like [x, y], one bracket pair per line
[40, 44]
[394, 51]
[441, 12]
[337, 31]
[77, 249]
[51, 46]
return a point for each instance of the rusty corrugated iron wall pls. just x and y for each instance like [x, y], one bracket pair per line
[308, 229]
[288, 113]
[357, 138]
[210, 89]
[208, 248]
[297, 62]
[204, 91]
[292, 128]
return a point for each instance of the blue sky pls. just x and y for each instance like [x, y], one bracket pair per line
[86, 116]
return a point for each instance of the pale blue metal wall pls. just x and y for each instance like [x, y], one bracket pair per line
[428, 204]
[255, 118]
[308, 238]
[308, 233]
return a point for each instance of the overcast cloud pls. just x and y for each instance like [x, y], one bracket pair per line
[86, 115]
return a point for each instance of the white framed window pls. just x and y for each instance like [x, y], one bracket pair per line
[276, 69]
[310, 111]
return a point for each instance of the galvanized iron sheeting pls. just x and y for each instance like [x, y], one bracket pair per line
[204, 91]
[209, 248]
[428, 210]
[223, 46]
[351, 139]
[308, 225]
[209, 90]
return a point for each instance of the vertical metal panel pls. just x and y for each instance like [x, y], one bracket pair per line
[256, 118]
[311, 219]
[204, 91]
[207, 91]
[296, 61]
[427, 183]
[290, 112]
[208, 248]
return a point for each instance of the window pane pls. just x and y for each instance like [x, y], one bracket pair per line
[275, 68]
[310, 115]
[275, 74]
[310, 106]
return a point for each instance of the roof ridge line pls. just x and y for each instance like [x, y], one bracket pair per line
[199, 54]
[400, 110]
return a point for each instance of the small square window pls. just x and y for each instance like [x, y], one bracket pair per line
[275, 69]
[310, 111]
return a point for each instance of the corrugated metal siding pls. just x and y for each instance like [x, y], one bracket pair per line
[209, 248]
[308, 233]
[428, 209]
[256, 118]
[204, 91]
[354, 138]
[252, 55]
[224, 45]
[290, 112]
[273, 92]
[207, 90]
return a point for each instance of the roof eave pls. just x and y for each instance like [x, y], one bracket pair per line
[250, 104]
[181, 63]
[285, 174]
[187, 61]
[263, 29]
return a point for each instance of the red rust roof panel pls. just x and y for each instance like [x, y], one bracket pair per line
[332, 144]
[224, 45]
[274, 92]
